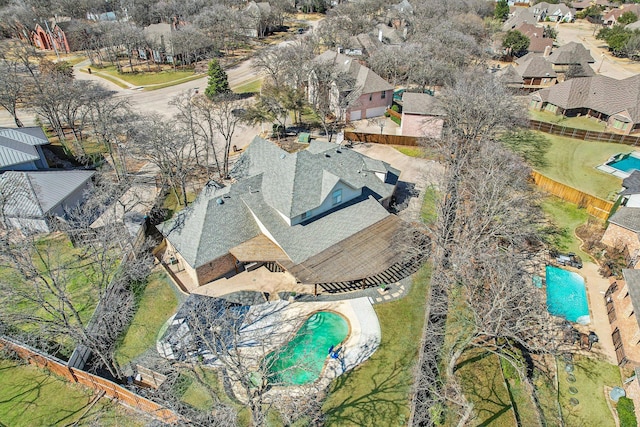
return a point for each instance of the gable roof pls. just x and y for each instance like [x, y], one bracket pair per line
[570, 53]
[366, 81]
[627, 217]
[509, 75]
[521, 16]
[17, 146]
[532, 65]
[35, 194]
[290, 181]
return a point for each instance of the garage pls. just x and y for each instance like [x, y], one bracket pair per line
[376, 112]
[355, 115]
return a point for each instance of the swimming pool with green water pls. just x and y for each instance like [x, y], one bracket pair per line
[301, 360]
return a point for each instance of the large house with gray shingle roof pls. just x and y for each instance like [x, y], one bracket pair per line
[370, 95]
[617, 102]
[21, 149]
[318, 214]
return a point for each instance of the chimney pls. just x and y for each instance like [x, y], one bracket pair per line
[547, 52]
[380, 35]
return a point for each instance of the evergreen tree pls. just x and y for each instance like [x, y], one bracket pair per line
[218, 82]
[501, 12]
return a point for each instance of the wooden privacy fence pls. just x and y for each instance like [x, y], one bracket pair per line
[582, 134]
[381, 138]
[110, 388]
[595, 206]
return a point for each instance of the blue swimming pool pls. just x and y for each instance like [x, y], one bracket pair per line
[567, 295]
[627, 163]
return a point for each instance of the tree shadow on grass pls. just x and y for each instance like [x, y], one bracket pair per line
[383, 404]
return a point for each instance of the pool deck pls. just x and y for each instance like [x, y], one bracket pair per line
[596, 287]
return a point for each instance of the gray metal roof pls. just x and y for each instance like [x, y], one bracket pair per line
[626, 217]
[632, 279]
[299, 182]
[17, 146]
[422, 103]
[34, 194]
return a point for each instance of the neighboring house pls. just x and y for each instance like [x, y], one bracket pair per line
[318, 214]
[510, 78]
[536, 72]
[159, 38]
[21, 149]
[519, 17]
[617, 102]
[399, 14]
[537, 42]
[631, 190]
[583, 4]
[622, 301]
[50, 37]
[611, 17]
[361, 45]
[553, 12]
[622, 233]
[572, 58]
[369, 94]
[390, 35]
[422, 115]
[31, 201]
[258, 20]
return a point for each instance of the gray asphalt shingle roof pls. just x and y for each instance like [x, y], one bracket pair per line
[599, 93]
[631, 184]
[570, 53]
[271, 182]
[628, 218]
[531, 65]
[290, 182]
[35, 194]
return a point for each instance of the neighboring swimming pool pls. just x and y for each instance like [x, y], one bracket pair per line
[622, 165]
[567, 295]
[301, 360]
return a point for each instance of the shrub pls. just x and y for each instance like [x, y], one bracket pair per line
[626, 412]
[395, 108]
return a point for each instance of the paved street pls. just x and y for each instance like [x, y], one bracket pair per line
[584, 32]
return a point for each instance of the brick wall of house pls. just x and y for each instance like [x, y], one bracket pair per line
[620, 237]
[215, 269]
[626, 322]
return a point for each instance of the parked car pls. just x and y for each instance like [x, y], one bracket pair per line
[570, 259]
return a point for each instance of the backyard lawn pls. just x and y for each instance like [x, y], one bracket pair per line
[585, 123]
[591, 377]
[568, 217]
[157, 304]
[377, 392]
[30, 396]
[483, 384]
[573, 162]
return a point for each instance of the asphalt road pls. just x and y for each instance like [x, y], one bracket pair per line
[605, 64]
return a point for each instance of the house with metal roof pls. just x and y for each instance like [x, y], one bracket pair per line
[319, 214]
[616, 102]
[365, 95]
[21, 149]
[32, 200]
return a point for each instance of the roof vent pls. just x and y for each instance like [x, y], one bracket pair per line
[338, 151]
[220, 201]
[282, 156]
[327, 155]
